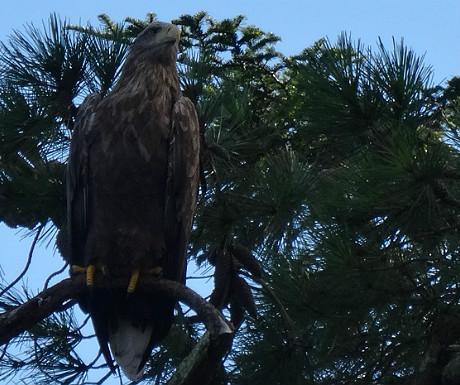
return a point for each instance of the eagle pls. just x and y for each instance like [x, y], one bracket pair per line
[132, 181]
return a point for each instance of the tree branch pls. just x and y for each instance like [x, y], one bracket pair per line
[23, 317]
[201, 366]
[27, 265]
[442, 192]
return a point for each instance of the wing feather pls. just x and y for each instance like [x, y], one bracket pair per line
[77, 178]
[79, 210]
[181, 186]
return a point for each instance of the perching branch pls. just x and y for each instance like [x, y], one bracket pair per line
[205, 358]
[23, 317]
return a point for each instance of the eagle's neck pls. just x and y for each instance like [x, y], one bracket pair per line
[156, 74]
[140, 105]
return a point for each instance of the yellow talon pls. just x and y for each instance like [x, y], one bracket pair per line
[133, 282]
[90, 275]
[156, 270]
[89, 271]
[78, 269]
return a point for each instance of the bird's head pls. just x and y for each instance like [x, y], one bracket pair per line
[157, 36]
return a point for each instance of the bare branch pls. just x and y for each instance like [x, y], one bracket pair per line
[56, 273]
[23, 317]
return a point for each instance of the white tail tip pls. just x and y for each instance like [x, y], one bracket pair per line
[128, 345]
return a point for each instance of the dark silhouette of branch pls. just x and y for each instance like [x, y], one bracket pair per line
[199, 367]
[442, 192]
[27, 265]
[204, 363]
[23, 317]
[55, 274]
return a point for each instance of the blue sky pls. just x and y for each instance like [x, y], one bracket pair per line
[428, 27]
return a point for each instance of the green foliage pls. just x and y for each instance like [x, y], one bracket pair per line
[43, 74]
[47, 352]
[338, 168]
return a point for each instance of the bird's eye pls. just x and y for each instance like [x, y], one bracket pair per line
[153, 31]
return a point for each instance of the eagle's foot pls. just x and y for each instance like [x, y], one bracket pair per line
[90, 275]
[89, 271]
[75, 269]
[133, 281]
[156, 271]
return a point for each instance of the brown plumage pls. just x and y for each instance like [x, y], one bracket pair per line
[132, 185]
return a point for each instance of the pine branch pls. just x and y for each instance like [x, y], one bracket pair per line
[288, 322]
[441, 191]
[201, 366]
[23, 317]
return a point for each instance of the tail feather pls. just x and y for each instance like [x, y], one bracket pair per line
[132, 326]
[128, 344]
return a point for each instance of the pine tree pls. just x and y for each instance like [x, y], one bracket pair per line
[337, 170]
